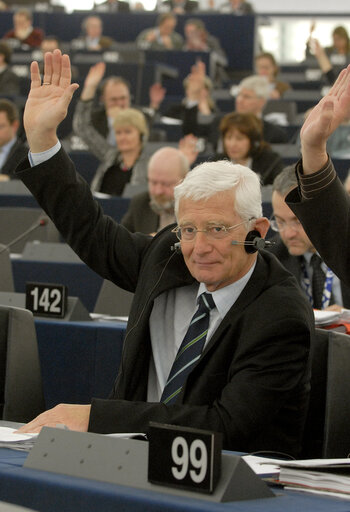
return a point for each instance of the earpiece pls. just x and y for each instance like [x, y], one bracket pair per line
[176, 248]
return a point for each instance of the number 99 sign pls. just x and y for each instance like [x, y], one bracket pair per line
[184, 457]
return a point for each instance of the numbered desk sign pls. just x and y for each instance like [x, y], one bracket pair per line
[46, 299]
[184, 457]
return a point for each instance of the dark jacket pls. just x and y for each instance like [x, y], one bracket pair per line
[252, 380]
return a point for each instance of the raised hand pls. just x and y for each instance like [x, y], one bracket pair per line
[323, 120]
[48, 102]
[92, 80]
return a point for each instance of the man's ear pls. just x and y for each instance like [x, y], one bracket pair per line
[262, 225]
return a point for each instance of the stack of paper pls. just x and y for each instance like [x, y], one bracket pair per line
[317, 475]
[10, 439]
[326, 317]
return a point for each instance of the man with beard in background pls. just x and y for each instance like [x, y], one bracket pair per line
[152, 210]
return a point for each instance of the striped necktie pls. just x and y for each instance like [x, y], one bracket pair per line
[318, 280]
[190, 349]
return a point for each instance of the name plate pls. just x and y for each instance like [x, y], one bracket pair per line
[184, 457]
[46, 299]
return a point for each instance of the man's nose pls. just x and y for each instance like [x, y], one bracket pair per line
[201, 242]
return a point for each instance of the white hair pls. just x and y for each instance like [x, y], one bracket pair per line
[210, 178]
[259, 84]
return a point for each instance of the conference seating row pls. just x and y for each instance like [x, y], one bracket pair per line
[76, 368]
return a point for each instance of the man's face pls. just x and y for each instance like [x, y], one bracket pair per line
[21, 22]
[161, 182]
[217, 263]
[7, 130]
[292, 232]
[167, 27]
[116, 95]
[93, 27]
[248, 102]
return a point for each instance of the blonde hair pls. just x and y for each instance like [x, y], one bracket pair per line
[133, 117]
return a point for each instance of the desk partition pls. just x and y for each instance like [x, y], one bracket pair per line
[79, 360]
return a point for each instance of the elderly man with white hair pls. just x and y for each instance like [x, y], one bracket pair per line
[252, 95]
[218, 335]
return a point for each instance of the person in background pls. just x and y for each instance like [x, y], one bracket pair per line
[9, 81]
[197, 38]
[198, 111]
[243, 143]
[320, 202]
[332, 58]
[178, 6]
[112, 6]
[23, 31]
[266, 65]
[115, 95]
[253, 93]
[238, 7]
[12, 149]
[295, 251]
[249, 377]
[92, 38]
[126, 163]
[163, 36]
[153, 210]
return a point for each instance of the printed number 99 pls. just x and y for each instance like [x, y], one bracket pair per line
[196, 455]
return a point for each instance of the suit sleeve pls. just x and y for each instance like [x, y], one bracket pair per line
[326, 220]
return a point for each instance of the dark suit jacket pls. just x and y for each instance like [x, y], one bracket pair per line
[18, 151]
[293, 264]
[251, 382]
[140, 216]
[9, 83]
[326, 220]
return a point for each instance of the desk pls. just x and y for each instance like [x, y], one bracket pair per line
[49, 492]
[79, 360]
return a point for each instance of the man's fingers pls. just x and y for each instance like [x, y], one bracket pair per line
[66, 75]
[35, 75]
[47, 68]
[56, 67]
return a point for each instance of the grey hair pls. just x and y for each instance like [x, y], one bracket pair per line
[210, 178]
[259, 84]
[285, 181]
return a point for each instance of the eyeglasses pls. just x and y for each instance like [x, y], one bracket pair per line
[280, 225]
[212, 232]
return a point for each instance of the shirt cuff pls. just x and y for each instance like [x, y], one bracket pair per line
[39, 158]
[312, 184]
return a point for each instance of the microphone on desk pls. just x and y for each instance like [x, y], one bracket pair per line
[42, 221]
[253, 242]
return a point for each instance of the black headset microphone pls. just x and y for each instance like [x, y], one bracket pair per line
[42, 221]
[253, 242]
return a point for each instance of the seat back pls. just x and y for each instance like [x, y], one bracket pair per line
[279, 111]
[327, 432]
[337, 412]
[21, 392]
[15, 221]
[113, 300]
